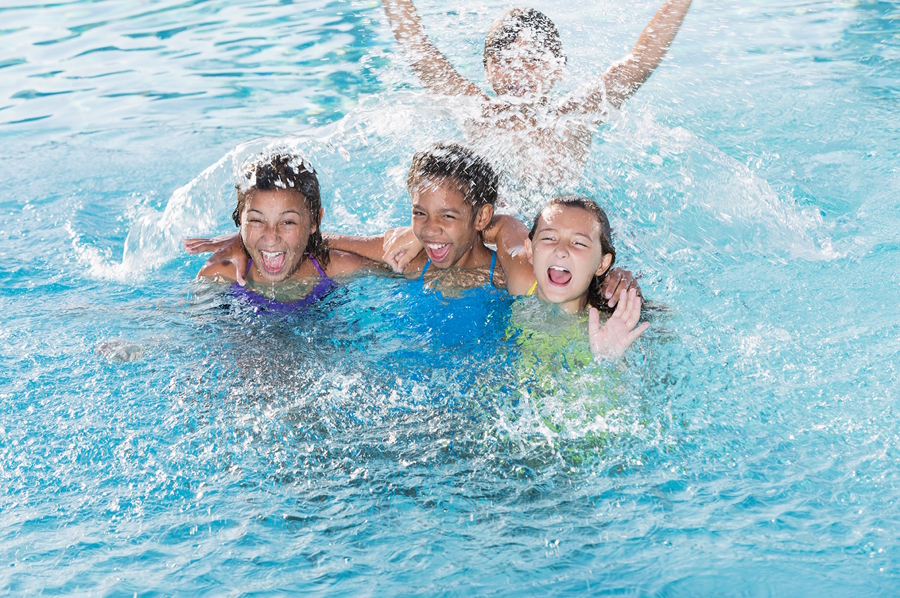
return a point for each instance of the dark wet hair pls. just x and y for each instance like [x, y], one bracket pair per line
[471, 172]
[291, 173]
[503, 34]
[594, 296]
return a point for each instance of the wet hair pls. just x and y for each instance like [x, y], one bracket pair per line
[594, 296]
[477, 180]
[505, 32]
[290, 172]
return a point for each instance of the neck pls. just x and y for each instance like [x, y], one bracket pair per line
[477, 256]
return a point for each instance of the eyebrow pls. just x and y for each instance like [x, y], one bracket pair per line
[550, 229]
[297, 212]
[444, 211]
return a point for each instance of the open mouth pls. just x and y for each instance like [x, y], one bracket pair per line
[438, 252]
[273, 261]
[559, 275]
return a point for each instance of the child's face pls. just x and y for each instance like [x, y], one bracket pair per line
[446, 223]
[525, 69]
[275, 227]
[566, 254]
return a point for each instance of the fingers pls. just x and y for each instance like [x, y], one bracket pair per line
[594, 321]
[634, 334]
[398, 261]
[611, 286]
[390, 236]
[195, 245]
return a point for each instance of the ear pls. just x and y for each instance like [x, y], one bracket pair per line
[605, 263]
[528, 252]
[483, 217]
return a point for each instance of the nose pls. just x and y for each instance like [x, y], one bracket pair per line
[270, 234]
[431, 227]
[561, 250]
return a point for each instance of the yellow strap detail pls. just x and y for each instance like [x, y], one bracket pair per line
[532, 289]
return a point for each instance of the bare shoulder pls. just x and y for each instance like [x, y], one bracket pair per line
[415, 267]
[218, 271]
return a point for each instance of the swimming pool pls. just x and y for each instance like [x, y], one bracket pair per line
[152, 441]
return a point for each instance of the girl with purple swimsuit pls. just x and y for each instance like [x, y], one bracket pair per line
[279, 212]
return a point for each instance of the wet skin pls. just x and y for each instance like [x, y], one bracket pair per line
[448, 226]
[566, 254]
[275, 228]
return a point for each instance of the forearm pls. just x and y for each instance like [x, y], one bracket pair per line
[659, 34]
[430, 66]
[368, 247]
[626, 75]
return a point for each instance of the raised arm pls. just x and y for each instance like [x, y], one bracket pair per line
[430, 66]
[625, 76]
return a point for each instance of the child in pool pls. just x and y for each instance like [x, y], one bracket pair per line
[569, 253]
[279, 211]
[453, 192]
[523, 59]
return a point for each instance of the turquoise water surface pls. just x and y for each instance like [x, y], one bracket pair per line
[156, 438]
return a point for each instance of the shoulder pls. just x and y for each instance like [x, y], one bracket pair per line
[518, 273]
[218, 271]
[415, 267]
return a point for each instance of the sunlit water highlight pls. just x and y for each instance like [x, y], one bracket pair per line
[156, 436]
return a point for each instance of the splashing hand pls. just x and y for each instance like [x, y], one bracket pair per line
[617, 334]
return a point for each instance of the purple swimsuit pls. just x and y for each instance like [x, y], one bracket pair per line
[318, 292]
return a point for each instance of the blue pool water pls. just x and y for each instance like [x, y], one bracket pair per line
[155, 440]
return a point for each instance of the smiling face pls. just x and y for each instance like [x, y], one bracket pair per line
[275, 229]
[566, 253]
[524, 69]
[446, 223]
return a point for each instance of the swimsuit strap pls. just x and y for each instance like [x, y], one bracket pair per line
[315, 263]
[425, 269]
[493, 261]
[250, 263]
[532, 289]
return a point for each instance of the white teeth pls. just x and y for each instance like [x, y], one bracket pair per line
[271, 253]
[436, 245]
[560, 268]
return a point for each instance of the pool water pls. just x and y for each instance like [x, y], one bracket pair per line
[156, 437]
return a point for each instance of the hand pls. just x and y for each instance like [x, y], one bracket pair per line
[204, 245]
[616, 281]
[228, 250]
[619, 331]
[401, 247]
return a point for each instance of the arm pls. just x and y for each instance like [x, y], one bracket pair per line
[401, 247]
[229, 261]
[613, 339]
[367, 247]
[508, 233]
[627, 75]
[430, 66]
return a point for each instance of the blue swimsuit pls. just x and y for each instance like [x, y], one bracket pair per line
[318, 292]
